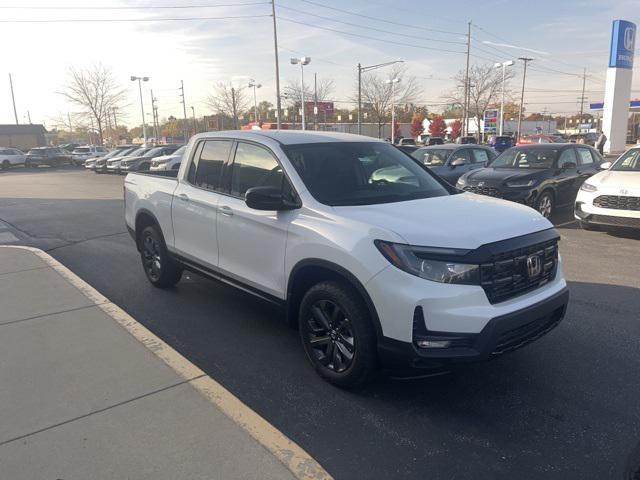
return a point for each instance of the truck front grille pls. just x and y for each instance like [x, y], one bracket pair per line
[508, 274]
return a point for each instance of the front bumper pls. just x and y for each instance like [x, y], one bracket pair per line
[113, 168]
[502, 334]
[587, 212]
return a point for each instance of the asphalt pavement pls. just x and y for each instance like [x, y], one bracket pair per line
[564, 407]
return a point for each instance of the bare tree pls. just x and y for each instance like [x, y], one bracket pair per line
[485, 88]
[377, 90]
[96, 91]
[325, 89]
[229, 100]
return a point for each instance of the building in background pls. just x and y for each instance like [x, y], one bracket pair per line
[23, 137]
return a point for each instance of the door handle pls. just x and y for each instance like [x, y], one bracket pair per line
[183, 196]
[226, 211]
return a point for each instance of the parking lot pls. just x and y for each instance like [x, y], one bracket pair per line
[564, 407]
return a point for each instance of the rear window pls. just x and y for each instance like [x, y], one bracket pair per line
[82, 150]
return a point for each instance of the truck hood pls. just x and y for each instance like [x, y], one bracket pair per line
[455, 221]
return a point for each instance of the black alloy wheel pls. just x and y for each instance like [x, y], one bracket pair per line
[337, 334]
[161, 270]
[330, 336]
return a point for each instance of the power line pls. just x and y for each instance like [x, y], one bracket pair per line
[111, 20]
[141, 7]
[378, 19]
[383, 40]
[371, 28]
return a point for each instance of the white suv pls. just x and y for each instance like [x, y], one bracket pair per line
[80, 154]
[611, 199]
[377, 260]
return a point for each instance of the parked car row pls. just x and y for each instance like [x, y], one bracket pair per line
[128, 158]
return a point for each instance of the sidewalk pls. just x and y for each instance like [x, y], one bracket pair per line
[82, 398]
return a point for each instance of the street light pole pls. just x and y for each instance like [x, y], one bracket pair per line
[504, 66]
[275, 49]
[526, 60]
[302, 61]
[13, 99]
[144, 127]
[393, 82]
[252, 83]
[362, 69]
[195, 124]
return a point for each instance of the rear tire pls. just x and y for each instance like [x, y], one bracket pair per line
[161, 270]
[337, 334]
[6, 165]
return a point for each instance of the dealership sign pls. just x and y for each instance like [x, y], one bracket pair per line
[491, 121]
[623, 41]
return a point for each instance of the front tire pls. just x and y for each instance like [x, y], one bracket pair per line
[161, 270]
[6, 165]
[545, 204]
[337, 334]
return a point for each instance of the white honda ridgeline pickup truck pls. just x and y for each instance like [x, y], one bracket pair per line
[379, 262]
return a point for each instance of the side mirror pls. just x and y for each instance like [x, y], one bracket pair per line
[568, 165]
[267, 198]
[458, 162]
[604, 166]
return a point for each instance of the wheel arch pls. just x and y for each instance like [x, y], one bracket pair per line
[309, 272]
[145, 218]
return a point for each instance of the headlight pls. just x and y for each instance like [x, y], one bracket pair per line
[414, 260]
[587, 187]
[461, 181]
[521, 183]
[161, 162]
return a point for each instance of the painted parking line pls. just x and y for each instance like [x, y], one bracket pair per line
[298, 461]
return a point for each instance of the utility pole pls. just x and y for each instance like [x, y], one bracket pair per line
[275, 48]
[233, 107]
[584, 81]
[29, 116]
[465, 127]
[526, 60]
[184, 110]
[359, 99]
[13, 99]
[115, 119]
[315, 101]
[153, 116]
[195, 124]
[70, 124]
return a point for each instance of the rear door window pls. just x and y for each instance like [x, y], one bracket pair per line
[206, 169]
[481, 156]
[584, 156]
[567, 157]
[463, 154]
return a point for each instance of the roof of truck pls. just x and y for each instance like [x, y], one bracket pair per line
[291, 137]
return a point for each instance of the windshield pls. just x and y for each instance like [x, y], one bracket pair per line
[359, 173]
[629, 162]
[136, 152]
[432, 157]
[526, 158]
[179, 152]
[156, 152]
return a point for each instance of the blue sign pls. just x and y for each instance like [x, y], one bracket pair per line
[623, 43]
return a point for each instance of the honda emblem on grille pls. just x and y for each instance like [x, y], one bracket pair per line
[534, 266]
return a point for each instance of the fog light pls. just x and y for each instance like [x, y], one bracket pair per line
[433, 343]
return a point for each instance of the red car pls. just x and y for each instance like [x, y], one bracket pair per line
[537, 138]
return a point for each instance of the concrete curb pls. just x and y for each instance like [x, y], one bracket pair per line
[298, 461]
